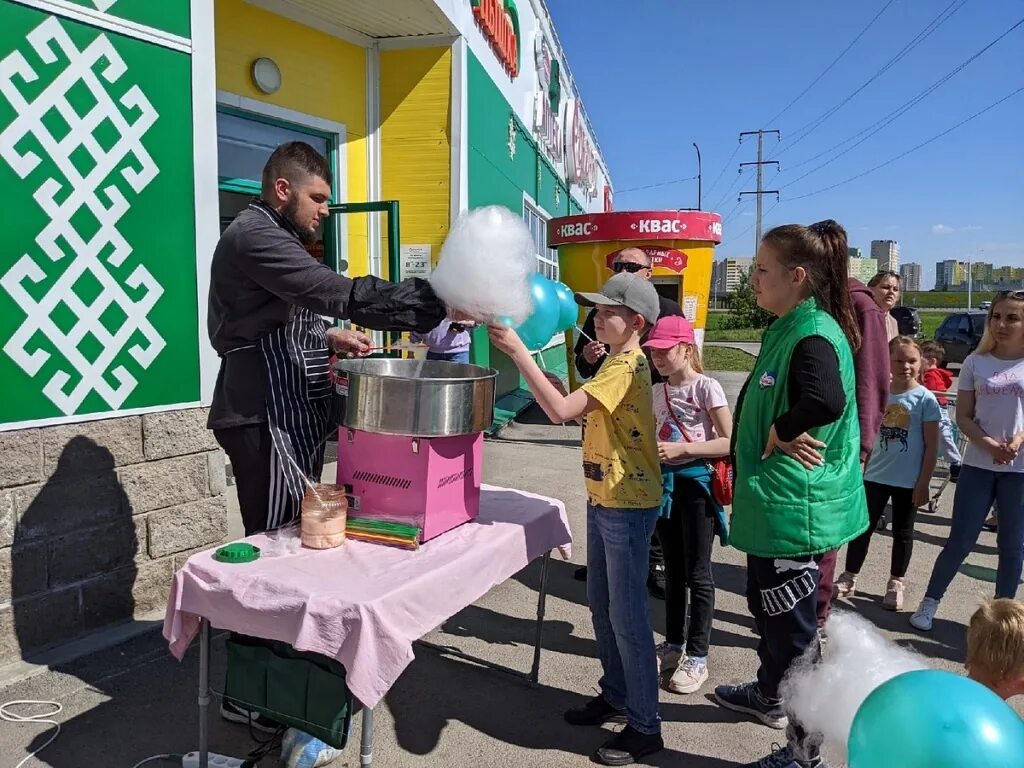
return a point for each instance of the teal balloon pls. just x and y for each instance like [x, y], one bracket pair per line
[542, 324]
[569, 310]
[935, 719]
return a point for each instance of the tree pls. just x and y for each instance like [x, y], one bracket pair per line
[744, 312]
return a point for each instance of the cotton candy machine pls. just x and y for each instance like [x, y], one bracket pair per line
[410, 439]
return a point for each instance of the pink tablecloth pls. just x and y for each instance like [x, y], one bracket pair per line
[365, 604]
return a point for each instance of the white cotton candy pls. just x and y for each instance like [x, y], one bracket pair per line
[825, 697]
[282, 542]
[485, 266]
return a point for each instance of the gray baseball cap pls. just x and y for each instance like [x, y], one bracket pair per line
[626, 290]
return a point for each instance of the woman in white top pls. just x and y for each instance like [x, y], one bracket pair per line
[990, 412]
[885, 286]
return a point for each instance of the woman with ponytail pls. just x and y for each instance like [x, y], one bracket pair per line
[799, 493]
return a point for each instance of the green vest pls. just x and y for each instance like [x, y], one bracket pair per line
[780, 509]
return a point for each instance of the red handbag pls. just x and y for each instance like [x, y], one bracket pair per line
[722, 475]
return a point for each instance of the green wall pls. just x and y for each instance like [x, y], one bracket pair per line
[497, 177]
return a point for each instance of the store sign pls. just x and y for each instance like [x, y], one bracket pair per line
[499, 21]
[663, 258]
[548, 111]
[581, 159]
[415, 261]
[635, 225]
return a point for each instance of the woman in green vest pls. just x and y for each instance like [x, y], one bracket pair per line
[799, 491]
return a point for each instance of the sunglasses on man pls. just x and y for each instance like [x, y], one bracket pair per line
[627, 266]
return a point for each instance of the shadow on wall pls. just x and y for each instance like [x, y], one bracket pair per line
[73, 560]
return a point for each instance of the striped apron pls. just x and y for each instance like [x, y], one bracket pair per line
[296, 365]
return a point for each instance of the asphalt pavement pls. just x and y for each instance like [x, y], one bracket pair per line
[132, 700]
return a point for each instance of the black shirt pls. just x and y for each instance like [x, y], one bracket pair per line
[260, 272]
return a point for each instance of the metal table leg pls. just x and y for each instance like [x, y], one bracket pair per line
[534, 674]
[541, 599]
[366, 738]
[204, 692]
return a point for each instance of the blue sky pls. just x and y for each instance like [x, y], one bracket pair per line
[656, 75]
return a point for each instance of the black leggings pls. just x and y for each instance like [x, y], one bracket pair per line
[904, 514]
[686, 540]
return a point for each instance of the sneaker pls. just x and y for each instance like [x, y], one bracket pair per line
[595, 712]
[991, 524]
[238, 714]
[954, 472]
[627, 746]
[656, 582]
[580, 574]
[925, 614]
[668, 656]
[883, 522]
[689, 676]
[747, 699]
[893, 600]
[846, 585]
[782, 757]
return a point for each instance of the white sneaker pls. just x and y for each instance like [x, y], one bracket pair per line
[668, 657]
[689, 676]
[925, 615]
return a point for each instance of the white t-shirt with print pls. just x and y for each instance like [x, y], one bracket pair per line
[998, 387]
[692, 404]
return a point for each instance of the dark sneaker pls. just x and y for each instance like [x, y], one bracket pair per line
[595, 712]
[954, 472]
[782, 757]
[627, 746]
[237, 714]
[580, 574]
[656, 582]
[747, 699]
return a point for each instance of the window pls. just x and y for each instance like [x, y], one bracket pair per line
[537, 221]
[244, 144]
[964, 325]
[979, 323]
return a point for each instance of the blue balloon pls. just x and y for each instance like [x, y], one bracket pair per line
[569, 310]
[935, 719]
[542, 324]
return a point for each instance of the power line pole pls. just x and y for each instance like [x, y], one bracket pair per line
[761, 162]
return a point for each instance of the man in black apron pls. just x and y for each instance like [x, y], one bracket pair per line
[271, 409]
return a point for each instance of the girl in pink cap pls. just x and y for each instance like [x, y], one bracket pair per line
[694, 425]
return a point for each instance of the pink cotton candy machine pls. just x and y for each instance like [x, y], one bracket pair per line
[410, 440]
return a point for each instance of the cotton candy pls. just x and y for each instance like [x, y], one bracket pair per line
[824, 697]
[282, 542]
[485, 265]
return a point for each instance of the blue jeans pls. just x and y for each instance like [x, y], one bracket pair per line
[618, 547]
[975, 492]
[451, 357]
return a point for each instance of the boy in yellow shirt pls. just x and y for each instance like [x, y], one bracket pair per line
[995, 647]
[623, 481]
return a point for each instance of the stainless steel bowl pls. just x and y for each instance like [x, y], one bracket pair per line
[419, 398]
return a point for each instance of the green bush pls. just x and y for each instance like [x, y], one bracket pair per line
[744, 310]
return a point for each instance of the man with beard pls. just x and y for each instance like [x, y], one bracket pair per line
[271, 409]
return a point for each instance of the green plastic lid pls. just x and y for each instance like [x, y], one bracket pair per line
[237, 553]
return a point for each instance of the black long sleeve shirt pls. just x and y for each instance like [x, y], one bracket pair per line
[814, 388]
[260, 271]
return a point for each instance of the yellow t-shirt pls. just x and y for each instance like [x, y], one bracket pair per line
[620, 449]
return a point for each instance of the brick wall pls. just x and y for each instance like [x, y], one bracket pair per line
[95, 518]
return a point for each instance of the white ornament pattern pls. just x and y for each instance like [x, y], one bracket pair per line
[81, 260]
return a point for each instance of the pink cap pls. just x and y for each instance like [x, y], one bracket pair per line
[669, 331]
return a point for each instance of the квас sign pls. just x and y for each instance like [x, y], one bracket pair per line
[499, 21]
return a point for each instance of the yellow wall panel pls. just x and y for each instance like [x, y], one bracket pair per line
[321, 75]
[415, 110]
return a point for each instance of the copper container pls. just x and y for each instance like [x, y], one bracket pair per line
[324, 513]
